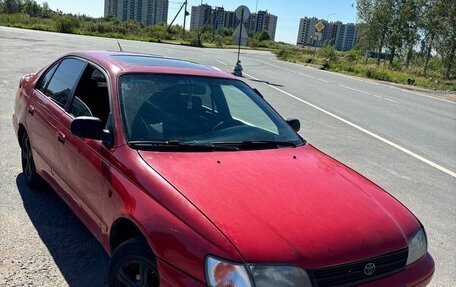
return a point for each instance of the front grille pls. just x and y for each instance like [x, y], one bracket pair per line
[353, 273]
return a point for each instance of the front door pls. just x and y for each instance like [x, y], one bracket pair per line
[86, 161]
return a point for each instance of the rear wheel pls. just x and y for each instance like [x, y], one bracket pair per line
[133, 265]
[28, 164]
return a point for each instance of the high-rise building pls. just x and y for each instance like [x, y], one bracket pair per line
[263, 21]
[218, 17]
[148, 12]
[330, 32]
[271, 25]
[342, 36]
[110, 8]
[230, 19]
[201, 15]
[346, 37]
[306, 31]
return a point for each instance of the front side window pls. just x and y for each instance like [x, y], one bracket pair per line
[63, 81]
[91, 97]
[188, 110]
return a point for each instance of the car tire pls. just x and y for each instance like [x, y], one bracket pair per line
[32, 178]
[133, 264]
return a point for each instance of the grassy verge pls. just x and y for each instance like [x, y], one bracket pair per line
[127, 30]
[353, 63]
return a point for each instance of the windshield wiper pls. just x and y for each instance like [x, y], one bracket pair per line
[257, 143]
[156, 143]
[176, 144]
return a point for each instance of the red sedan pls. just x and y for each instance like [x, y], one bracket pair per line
[188, 177]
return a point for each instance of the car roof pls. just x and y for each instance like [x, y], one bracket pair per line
[117, 63]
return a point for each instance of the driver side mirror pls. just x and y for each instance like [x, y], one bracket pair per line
[295, 124]
[91, 128]
[87, 127]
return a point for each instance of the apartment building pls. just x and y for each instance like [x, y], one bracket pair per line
[306, 31]
[263, 21]
[148, 12]
[346, 37]
[200, 15]
[218, 17]
[341, 36]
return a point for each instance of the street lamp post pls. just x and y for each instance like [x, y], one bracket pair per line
[327, 18]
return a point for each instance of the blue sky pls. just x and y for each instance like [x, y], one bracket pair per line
[288, 11]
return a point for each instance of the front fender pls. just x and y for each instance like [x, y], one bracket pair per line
[177, 232]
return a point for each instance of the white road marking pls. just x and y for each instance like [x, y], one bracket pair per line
[387, 99]
[217, 68]
[278, 67]
[294, 72]
[223, 63]
[356, 90]
[388, 142]
[425, 96]
[313, 77]
[373, 83]
[359, 91]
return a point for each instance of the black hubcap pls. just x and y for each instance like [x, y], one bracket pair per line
[27, 159]
[136, 273]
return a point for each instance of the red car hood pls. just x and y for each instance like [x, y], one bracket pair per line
[292, 205]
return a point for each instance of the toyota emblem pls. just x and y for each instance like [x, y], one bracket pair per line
[369, 269]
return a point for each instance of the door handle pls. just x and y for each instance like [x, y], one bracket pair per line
[61, 137]
[31, 110]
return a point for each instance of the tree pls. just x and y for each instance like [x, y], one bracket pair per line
[394, 38]
[403, 32]
[32, 8]
[446, 35]
[410, 15]
[429, 24]
[377, 17]
[45, 10]
[263, 36]
[12, 6]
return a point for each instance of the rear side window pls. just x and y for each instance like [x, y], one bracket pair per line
[44, 81]
[63, 81]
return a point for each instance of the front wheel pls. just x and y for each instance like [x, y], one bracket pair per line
[133, 265]
[28, 164]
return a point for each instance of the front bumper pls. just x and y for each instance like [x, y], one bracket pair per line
[171, 277]
[418, 274]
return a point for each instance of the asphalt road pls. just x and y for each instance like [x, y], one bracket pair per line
[403, 141]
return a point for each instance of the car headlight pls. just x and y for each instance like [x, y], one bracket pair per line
[221, 273]
[279, 276]
[417, 247]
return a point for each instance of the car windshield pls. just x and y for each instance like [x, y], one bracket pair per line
[189, 111]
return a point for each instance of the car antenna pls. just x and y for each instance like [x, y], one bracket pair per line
[120, 47]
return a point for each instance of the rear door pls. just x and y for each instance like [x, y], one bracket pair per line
[46, 107]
